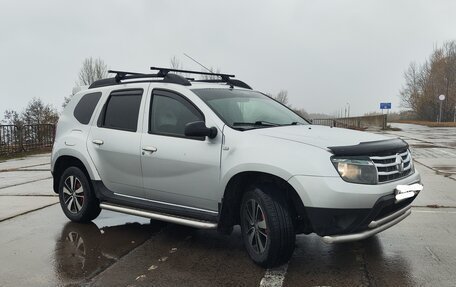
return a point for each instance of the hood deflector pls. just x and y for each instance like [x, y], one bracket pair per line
[374, 148]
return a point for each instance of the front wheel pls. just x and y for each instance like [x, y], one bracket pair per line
[76, 196]
[267, 228]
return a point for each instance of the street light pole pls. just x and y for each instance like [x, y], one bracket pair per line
[441, 98]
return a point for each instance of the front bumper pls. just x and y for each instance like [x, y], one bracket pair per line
[375, 227]
[337, 222]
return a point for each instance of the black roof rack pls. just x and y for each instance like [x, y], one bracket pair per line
[167, 70]
[224, 78]
[167, 77]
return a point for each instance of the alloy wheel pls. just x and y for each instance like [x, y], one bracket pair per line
[256, 231]
[73, 194]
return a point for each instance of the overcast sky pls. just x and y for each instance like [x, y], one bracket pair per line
[325, 53]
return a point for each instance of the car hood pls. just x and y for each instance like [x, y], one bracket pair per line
[319, 136]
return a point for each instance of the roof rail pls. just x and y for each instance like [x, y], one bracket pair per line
[167, 78]
[124, 75]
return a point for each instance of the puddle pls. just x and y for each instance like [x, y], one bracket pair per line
[446, 168]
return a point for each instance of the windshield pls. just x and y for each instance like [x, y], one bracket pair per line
[241, 109]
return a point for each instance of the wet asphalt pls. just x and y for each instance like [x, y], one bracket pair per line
[41, 247]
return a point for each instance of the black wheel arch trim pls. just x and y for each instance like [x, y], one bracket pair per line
[61, 164]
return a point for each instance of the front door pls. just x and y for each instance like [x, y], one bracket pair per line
[178, 170]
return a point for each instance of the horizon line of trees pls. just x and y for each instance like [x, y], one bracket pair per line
[425, 82]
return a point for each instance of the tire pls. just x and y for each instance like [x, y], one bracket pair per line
[269, 237]
[76, 196]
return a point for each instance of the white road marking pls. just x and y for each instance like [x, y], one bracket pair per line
[274, 277]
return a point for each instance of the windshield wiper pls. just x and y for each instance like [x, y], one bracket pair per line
[257, 123]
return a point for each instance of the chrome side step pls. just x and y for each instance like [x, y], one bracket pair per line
[160, 216]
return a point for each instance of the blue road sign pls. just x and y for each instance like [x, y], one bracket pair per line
[385, 106]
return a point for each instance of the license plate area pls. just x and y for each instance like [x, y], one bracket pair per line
[407, 191]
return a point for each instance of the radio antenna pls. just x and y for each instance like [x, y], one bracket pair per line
[198, 63]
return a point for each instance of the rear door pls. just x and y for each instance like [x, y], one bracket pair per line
[179, 171]
[114, 143]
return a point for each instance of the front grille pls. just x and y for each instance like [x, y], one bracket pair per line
[394, 166]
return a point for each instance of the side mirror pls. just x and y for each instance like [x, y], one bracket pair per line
[199, 129]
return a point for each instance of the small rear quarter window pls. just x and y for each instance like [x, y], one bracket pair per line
[84, 109]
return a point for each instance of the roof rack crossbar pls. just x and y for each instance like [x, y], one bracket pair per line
[166, 70]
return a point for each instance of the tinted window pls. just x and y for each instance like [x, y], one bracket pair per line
[170, 113]
[84, 109]
[122, 110]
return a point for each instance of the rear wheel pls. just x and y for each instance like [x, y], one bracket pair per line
[267, 228]
[77, 199]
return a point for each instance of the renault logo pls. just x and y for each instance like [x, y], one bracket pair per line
[399, 163]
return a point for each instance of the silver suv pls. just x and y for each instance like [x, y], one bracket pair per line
[214, 154]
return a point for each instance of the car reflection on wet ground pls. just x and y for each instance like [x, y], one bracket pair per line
[44, 249]
[83, 250]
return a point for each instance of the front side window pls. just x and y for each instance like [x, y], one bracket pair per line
[122, 110]
[244, 110]
[170, 113]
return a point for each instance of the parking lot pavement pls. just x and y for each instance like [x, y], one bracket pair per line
[432, 147]
[42, 248]
[38, 160]
[25, 185]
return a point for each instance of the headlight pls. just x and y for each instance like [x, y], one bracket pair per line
[356, 170]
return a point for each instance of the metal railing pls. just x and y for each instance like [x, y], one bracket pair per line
[357, 123]
[17, 139]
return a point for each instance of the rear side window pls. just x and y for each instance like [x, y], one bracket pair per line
[84, 109]
[122, 110]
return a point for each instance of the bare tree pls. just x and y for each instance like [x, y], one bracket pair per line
[91, 71]
[211, 77]
[282, 97]
[37, 112]
[175, 63]
[301, 112]
[424, 83]
[12, 117]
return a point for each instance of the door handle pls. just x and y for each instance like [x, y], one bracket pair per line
[98, 142]
[149, 149]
